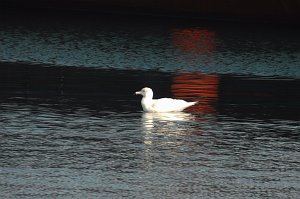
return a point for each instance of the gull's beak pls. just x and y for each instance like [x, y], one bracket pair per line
[138, 93]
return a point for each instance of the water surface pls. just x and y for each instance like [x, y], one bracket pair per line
[70, 126]
[150, 44]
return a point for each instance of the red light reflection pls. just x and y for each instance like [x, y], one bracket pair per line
[197, 87]
[194, 40]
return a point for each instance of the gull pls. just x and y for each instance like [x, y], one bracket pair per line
[162, 105]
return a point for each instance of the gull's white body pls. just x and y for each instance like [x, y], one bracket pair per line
[161, 105]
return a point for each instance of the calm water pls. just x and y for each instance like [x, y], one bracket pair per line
[70, 126]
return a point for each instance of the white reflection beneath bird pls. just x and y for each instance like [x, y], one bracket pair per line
[161, 105]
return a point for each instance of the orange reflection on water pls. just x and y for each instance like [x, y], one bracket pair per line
[197, 87]
[194, 40]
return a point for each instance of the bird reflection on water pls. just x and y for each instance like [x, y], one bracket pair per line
[169, 125]
[150, 118]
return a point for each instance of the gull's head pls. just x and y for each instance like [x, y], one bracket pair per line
[145, 92]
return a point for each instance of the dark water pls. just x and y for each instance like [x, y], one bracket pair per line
[70, 126]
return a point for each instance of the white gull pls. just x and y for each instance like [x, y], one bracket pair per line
[161, 105]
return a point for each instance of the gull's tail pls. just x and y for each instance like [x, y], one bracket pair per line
[188, 104]
[193, 103]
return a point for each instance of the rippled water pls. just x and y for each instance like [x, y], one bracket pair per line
[166, 45]
[70, 126]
